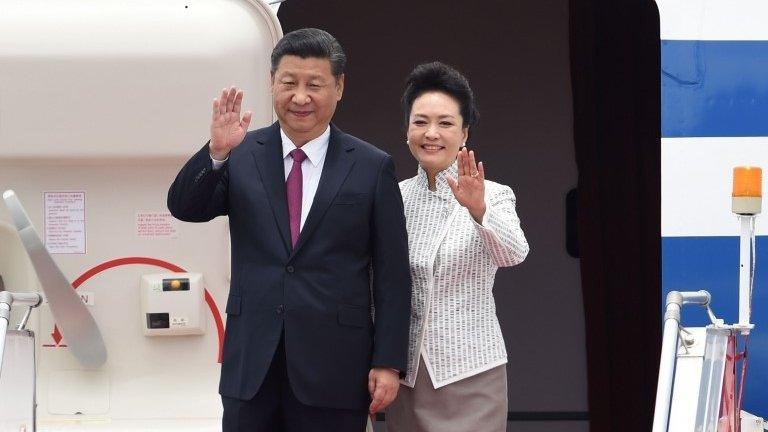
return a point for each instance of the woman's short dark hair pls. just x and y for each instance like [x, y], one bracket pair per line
[310, 42]
[440, 77]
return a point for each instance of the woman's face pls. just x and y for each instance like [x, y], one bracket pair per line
[435, 131]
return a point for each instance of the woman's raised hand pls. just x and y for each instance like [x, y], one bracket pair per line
[227, 128]
[469, 187]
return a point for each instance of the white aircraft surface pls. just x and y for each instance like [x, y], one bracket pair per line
[101, 102]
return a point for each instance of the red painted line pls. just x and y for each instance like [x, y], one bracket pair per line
[157, 263]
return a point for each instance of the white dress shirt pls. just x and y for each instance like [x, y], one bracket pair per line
[311, 168]
[454, 327]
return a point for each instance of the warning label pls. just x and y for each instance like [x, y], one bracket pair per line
[156, 225]
[65, 222]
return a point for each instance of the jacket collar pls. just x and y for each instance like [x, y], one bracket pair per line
[268, 156]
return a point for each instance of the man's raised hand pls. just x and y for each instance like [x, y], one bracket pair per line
[227, 128]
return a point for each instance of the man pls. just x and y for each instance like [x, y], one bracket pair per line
[318, 233]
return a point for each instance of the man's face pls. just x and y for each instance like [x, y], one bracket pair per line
[304, 96]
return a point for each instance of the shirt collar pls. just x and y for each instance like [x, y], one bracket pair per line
[315, 149]
[441, 181]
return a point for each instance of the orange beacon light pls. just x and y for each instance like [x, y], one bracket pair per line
[747, 190]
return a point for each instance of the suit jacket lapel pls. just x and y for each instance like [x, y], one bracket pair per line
[269, 161]
[338, 163]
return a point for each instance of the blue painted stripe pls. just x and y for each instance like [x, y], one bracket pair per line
[714, 88]
[712, 263]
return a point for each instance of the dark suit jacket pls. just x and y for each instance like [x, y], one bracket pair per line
[352, 250]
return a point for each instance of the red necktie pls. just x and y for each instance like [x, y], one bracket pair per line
[293, 188]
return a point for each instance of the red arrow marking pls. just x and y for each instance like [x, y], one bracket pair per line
[157, 263]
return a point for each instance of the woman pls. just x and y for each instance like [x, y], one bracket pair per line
[461, 229]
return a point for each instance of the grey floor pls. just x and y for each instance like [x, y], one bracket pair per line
[538, 426]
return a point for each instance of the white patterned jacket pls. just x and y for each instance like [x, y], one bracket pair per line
[453, 265]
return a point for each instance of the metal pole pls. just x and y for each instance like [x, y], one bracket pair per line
[745, 269]
[5, 316]
[669, 346]
[670, 342]
[6, 300]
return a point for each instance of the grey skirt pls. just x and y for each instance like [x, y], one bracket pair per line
[477, 403]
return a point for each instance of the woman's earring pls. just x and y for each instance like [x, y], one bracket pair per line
[408, 142]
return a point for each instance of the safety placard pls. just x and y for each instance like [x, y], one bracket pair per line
[65, 222]
[156, 225]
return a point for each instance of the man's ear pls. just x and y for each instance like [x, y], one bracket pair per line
[339, 86]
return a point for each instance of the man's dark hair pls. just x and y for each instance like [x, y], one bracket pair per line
[436, 76]
[310, 42]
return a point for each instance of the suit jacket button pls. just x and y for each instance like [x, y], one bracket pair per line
[280, 309]
[290, 269]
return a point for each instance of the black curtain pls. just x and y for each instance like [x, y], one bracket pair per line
[615, 72]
